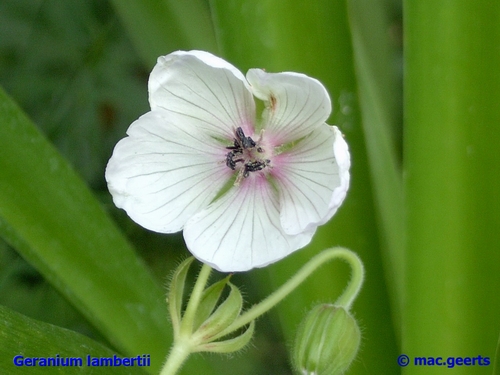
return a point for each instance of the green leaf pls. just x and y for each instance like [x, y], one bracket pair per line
[231, 345]
[222, 317]
[176, 292]
[208, 301]
[49, 215]
[22, 336]
[496, 361]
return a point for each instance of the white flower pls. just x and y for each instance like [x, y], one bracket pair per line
[246, 191]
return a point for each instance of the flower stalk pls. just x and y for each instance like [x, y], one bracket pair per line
[345, 300]
[194, 301]
[178, 354]
[182, 347]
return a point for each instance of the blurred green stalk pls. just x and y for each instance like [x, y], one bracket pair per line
[452, 180]
[160, 27]
[379, 97]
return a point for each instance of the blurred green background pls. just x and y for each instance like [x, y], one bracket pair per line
[422, 211]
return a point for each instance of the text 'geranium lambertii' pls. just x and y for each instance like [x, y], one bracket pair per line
[247, 189]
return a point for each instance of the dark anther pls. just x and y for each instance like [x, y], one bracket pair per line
[230, 161]
[242, 142]
[236, 146]
[253, 166]
[245, 142]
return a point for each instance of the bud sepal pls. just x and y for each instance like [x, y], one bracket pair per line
[200, 326]
[326, 342]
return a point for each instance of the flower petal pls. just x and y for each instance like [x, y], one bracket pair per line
[343, 159]
[295, 103]
[312, 179]
[242, 229]
[205, 87]
[165, 171]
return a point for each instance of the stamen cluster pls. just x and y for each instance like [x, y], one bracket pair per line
[243, 151]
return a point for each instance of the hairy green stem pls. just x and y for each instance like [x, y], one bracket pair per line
[194, 300]
[178, 354]
[182, 346]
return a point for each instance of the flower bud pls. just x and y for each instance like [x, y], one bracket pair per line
[327, 341]
[207, 327]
